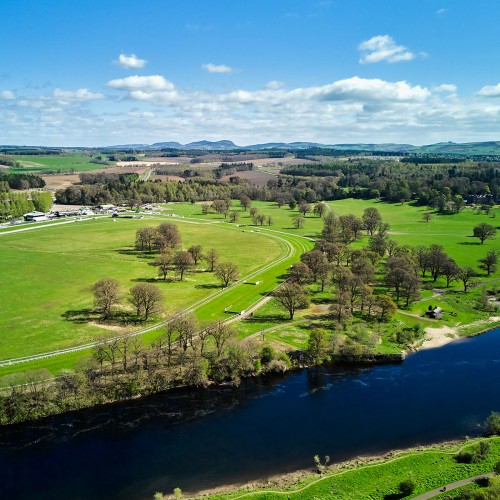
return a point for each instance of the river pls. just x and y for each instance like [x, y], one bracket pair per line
[206, 438]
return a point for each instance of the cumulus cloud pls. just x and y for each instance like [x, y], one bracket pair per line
[274, 84]
[217, 68]
[348, 110]
[141, 83]
[490, 91]
[445, 87]
[383, 48]
[7, 94]
[130, 62]
[77, 95]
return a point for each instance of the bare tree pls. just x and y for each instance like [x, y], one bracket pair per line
[164, 262]
[234, 216]
[183, 262]
[298, 222]
[371, 219]
[221, 333]
[106, 294]
[145, 237]
[245, 202]
[146, 298]
[169, 235]
[466, 275]
[291, 296]
[196, 252]
[212, 257]
[227, 272]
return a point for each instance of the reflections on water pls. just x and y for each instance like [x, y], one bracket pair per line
[269, 425]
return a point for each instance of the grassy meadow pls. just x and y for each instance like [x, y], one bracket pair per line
[40, 164]
[48, 274]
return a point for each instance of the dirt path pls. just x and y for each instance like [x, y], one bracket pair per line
[451, 486]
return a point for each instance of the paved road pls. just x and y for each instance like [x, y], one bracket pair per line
[451, 486]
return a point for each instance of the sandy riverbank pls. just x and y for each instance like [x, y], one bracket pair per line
[437, 337]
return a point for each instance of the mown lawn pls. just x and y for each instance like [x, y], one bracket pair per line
[48, 274]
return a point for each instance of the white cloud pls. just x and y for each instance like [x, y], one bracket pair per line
[349, 110]
[131, 61]
[490, 91]
[383, 48]
[445, 87]
[217, 68]
[441, 11]
[77, 95]
[274, 85]
[141, 83]
[7, 94]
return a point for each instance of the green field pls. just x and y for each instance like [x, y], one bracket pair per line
[430, 469]
[41, 164]
[48, 274]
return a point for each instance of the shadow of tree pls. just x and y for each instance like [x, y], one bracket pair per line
[208, 286]
[132, 252]
[117, 318]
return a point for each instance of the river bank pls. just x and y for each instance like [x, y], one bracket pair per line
[439, 336]
[303, 481]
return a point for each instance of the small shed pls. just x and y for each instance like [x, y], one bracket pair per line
[434, 312]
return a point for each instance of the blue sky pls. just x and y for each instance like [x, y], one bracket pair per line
[95, 72]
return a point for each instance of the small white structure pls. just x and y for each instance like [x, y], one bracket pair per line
[35, 216]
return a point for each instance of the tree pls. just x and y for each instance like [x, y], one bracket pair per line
[371, 219]
[163, 262]
[320, 208]
[222, 207]
[317, 345]
[145, 237]
[221, 333]
[146, 298]
[183, 261]
[407, 487]
[292, 204]
[387, 307]
[185, 326]
[291, 296]
[450, 271]
[427, 216]
[269, 220]
[253, 214]
[196, 252]
[245, 202]
[299, 273]
[260, 219]
[436, 260]
[212, 257]
[227, 272]
[234, 216]
[484, 231]
[314, 260]
[168, 235]
[350, 228]
[466, 275]
[106, 294]
[298, 222]
[489, 262]
[304, 208]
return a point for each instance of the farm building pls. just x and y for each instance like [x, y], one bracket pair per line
[434, 312]
[34, 216]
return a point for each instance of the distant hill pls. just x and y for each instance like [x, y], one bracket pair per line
[472, 149]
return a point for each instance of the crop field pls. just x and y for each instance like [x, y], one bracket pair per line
[39, 163]
[48, 274]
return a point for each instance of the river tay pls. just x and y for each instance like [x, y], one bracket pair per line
[270, 425]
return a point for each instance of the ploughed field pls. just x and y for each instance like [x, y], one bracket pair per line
[48, 274]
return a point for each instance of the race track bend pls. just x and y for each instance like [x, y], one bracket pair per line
[290, 251]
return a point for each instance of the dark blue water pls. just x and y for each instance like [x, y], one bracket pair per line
[270, 425]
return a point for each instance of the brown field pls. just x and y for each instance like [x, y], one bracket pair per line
[252, 176]
[60, 181]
